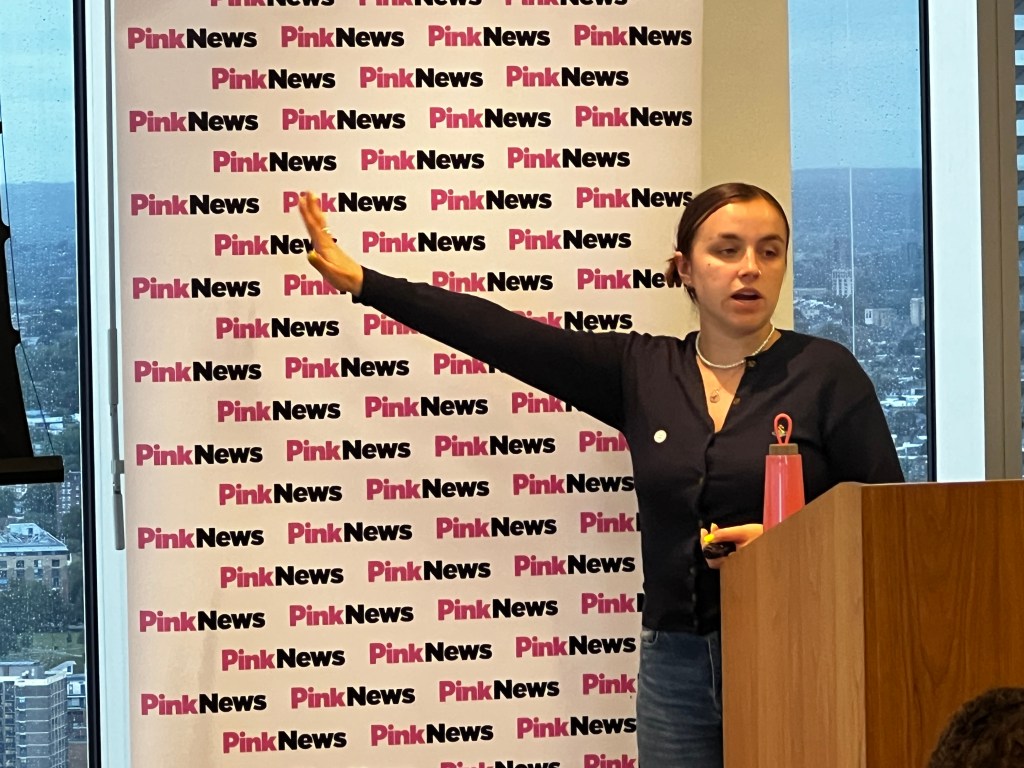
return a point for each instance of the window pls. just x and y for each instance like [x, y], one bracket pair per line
[858, 223]
[1018, 25]
[38, 194]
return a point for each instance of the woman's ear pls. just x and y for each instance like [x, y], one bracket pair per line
[682, 266]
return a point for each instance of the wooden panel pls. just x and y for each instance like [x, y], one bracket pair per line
[944, 602]
[793, 642]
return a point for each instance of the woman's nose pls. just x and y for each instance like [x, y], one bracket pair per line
[749, 265]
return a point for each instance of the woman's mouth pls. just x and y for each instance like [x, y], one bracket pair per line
[747, 294]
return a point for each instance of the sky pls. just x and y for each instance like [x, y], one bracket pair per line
[853, 63]
[855, 83]
[37, 90]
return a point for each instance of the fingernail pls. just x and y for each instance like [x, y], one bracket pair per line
[709, 538]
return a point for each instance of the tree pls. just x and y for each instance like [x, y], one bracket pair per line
[21, 606]
[75, 604]
[68, 443]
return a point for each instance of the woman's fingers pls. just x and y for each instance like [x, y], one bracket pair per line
[309, 210]
[315, 221]
[317, 263]
[741, 535]
[714, 561]
[316, 225]
[336, 266]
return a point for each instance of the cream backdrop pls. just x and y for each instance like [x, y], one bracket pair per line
[324, 568]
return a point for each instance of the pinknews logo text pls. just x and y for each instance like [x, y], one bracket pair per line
[235, 494]
[199, 538]
[495, 690]
[577, 725]
[471, 37]
[204, 704]
[517, 239]
[241, 660]
[229, 78]
[154, 455]
[202, 38]
[282, 741]
[276, 410]
[197, 371]
[237, 577]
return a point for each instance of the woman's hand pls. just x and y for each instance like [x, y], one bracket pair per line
[337, 267]
[740, 535]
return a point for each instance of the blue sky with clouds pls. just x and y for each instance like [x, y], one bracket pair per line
[854, 65]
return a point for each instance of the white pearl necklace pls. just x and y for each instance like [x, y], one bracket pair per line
[721, 366]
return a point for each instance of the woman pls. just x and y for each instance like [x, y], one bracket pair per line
[697, 413]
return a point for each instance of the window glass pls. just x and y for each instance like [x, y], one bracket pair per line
[858, 225]
[1018, 25]
[41, 608]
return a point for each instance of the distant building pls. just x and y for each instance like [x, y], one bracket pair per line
[70, 498]
[882, 317]
[913, 256]
[78, 729]
[37, 418]
[917, 308]
[33, 716]
[819, 294]
[842, 283]
[28, 552]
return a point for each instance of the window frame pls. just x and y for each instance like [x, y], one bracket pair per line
[975, 305]
[89, 502]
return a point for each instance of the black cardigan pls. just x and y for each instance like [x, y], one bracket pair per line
[643, 385]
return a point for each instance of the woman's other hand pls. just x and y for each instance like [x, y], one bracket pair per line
[337, 267]
[740, 535]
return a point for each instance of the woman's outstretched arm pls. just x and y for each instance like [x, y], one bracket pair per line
[583, 369]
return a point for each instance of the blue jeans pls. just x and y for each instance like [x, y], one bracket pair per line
[679, 700]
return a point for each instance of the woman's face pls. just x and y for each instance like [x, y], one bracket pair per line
[736, 267]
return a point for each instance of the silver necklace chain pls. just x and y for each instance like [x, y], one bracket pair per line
[721, 366]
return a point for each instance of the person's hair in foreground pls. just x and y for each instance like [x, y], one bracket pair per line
[705, 204]
[986, 732]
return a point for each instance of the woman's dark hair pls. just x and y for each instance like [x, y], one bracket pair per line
[705, 204]
[986, 732]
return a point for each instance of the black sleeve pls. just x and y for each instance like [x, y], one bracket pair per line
[583, 369]
[857, 438]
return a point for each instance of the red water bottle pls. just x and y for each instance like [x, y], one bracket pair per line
[783, 475]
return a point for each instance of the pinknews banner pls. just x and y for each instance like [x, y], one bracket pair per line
[349, 545]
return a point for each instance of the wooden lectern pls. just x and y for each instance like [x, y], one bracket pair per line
[855, 629]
